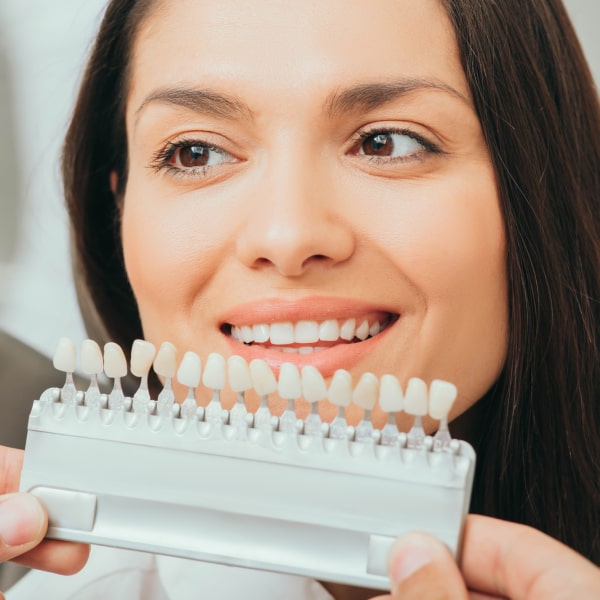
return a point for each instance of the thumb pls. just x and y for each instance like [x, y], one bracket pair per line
[422, 567]
[23, 523]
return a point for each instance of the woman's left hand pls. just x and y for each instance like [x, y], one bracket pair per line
[499, 560]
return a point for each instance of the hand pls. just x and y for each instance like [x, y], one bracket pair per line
[23, 524]
[500, 560]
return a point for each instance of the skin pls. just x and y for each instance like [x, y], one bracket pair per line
[294, 217]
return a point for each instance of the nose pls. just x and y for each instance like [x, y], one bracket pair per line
[295, 224]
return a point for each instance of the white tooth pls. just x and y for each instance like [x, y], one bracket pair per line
[340, 388]
[247, 335]
[239, 374]
[306, 332]
[263, 378]
[236, 334]
[290, 350]
[306, 350]
[91, 358]
[362, 331]
[142, 355]
[390, 394]
[374, 329]
[289, 386]
[214, 372]
[313, 384]
[329, 331]
[415, 398]
[442, 395]
[282, 333]
[365, 392]
[189, 370]
[261, 333]
[165, 363]
[115, 363]
[65, 355]
[347, 329]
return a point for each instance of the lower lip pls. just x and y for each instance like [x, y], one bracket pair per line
[327, 361]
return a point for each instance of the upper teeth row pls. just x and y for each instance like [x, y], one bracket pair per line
[418, 398]
[305, 332]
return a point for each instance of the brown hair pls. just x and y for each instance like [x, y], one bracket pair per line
[538, 438]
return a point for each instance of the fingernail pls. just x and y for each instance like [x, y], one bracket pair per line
[409, 553]
[21, 519]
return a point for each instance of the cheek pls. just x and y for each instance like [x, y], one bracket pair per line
[170, 251]
[447, 243]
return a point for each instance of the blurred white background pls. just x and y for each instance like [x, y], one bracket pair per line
[43, 46]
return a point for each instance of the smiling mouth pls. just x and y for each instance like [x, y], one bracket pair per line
[306, 337]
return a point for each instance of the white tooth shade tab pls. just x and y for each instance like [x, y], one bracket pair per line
[415, 397]
[340, 388]
[214, 372]
[142, 355]
[306, 332]
[442, 395]
[289, 386]
[239, 374]
[189, 370]
[91, 358]
[314, 387]
[165, 363]
[263, 378]
[390, 394]
[365, 392]
[65, 355]
[282, 333]
[115, 363]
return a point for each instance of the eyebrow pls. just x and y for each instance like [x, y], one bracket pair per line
[361, 97]
[204, 101]
[368, 96]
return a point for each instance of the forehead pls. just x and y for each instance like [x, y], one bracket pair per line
[277, 49]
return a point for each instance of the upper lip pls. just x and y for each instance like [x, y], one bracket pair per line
[315, 308]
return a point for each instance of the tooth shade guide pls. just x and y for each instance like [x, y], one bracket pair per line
[314, 407]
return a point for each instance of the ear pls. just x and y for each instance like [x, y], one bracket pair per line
[114, 182]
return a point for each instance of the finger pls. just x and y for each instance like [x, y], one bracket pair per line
[64, 558]
[23, 523]
[510, 560]
[11, 461]
[422, 567]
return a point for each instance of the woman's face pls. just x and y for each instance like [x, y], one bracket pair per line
[306, 167]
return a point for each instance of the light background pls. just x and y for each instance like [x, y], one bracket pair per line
[43, 46]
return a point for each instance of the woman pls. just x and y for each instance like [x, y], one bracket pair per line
[418, 166]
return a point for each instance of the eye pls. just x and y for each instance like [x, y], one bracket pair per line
[190, 158]
[389, 144]
[194, 155]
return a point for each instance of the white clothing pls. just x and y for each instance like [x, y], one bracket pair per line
[112, 574]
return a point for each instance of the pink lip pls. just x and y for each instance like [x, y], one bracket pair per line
[317, 308]
[338, 356]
